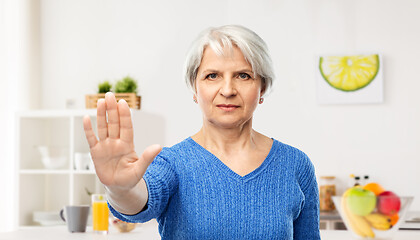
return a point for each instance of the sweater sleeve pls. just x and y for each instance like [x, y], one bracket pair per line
[161, 181]
[306, 225]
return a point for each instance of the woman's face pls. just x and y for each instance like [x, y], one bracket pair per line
[226, 89]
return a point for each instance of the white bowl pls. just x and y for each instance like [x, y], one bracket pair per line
[48, 218]
[53, 157]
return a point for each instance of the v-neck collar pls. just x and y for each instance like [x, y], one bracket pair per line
[223, 167]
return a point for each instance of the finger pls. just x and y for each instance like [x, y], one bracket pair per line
[126, 125]
[90, 135]
[101, 120]
[113, 116]
[147, 157]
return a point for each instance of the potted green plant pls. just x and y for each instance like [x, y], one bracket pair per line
[126, 85]
[125, 88]
[104, 87]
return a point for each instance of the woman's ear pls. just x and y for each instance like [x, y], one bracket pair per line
[195, 86]
[263, 87]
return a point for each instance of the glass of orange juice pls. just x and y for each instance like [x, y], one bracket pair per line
[100, 214]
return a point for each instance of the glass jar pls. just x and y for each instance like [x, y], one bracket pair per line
[326, 191]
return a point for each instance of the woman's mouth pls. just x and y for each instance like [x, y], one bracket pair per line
[227, 107]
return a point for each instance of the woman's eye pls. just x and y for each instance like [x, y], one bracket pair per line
[244, 76]
[211, 76]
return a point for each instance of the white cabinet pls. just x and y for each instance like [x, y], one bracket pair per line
[43, 189]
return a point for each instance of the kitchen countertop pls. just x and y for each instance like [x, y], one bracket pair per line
[149, 231]
[142, 231]
[345, 235]
[412, 220]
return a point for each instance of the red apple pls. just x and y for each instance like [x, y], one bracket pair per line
[388, 203]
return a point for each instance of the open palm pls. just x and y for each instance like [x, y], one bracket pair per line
[116, 162]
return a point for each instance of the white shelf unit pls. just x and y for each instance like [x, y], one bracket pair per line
[42, 189]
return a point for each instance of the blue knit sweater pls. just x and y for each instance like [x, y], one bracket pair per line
[194, 195]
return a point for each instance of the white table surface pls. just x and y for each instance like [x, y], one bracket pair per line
[149, 231]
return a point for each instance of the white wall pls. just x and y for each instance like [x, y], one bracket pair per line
[20, 81]
[85, 42]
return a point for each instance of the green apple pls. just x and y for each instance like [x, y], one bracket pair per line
[360, 201]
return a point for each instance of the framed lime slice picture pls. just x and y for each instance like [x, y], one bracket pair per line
[350, 79]
[349, 73]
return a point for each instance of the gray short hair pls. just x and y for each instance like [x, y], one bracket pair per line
[251, 45]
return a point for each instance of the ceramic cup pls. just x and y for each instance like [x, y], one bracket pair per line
[82, 161]
[75, 217]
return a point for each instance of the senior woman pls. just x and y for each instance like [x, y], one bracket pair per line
[226, 181]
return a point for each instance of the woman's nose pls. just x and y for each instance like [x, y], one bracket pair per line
[228, 88]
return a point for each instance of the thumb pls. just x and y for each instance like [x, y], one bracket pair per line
[147, 158]
[150, 153]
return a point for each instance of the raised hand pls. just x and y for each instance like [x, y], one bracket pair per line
[116, 163]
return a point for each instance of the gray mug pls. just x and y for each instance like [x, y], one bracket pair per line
[76, 217]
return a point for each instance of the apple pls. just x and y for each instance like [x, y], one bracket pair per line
[361, 201]
[388, 203]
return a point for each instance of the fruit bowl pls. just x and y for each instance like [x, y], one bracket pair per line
[377, 217]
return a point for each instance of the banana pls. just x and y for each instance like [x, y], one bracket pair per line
[357, 223]
[379, 221]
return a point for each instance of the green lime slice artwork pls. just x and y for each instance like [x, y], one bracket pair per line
[349, 73]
